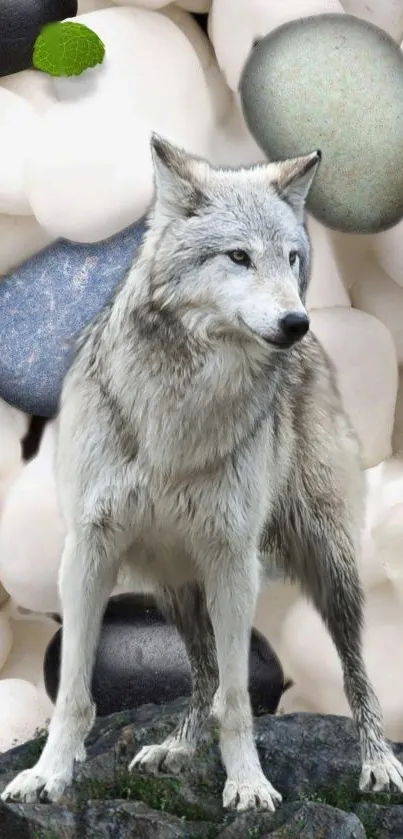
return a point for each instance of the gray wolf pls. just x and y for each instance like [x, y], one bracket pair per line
[202, 435]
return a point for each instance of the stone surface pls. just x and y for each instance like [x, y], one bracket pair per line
[313, 760]
[32, 533]
[95, 141]
[388, 14]
[362, 349]
[233, 27]
[18, 121]
[292, 105]
[21, 22]
[45, 303]
[21, 712]
[387, 248]
[376, 293]
[326, 287]
[20, 238]
[142, 659]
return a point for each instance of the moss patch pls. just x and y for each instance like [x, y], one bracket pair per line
[347, 797]
[159, 793]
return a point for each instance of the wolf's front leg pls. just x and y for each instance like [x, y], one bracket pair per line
[87, 576]
[232, 584]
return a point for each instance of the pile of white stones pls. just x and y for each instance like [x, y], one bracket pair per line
[75, 162]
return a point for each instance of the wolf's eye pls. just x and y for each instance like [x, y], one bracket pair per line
[240, 257]
[292, 257]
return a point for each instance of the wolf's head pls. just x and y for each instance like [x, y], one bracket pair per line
[231, 244]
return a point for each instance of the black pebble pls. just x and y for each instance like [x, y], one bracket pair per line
[20, 24]
[142, 659]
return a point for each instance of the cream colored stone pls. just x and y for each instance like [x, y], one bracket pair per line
[363, 352]
[95, 141]
[21, 712]
[6, 640]
[388, 250]
[376, 293]
[350, 250]
[326, 286]
[199, 6]
[312, 661]
[32, 533]
[234, 25]
[387, 14]
[397, 439]
[97, 150]
[13, 426]
[35, 87]
[18, 124]
[31, 636]
[85, 6]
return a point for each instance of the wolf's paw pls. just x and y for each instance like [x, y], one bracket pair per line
[382, 774]
[35, 785]
[251, 793]
[164, 758]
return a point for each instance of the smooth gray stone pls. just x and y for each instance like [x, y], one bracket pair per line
[335, 83]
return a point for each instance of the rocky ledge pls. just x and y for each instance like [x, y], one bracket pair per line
[313, 760]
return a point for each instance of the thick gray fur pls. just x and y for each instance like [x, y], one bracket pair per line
[194, 442]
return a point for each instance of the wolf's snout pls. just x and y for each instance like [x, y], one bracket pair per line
[294, 326]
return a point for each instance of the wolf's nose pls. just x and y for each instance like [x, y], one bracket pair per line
[294, 325]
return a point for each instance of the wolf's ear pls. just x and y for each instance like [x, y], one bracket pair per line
[295, 178]
[178, 180]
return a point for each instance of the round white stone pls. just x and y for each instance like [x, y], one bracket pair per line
[18, 124]
[89, 170]
[234, 25]
[362, 349]
[32, 533]
[35, 87]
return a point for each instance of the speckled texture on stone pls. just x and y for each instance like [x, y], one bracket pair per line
[335, 83]
[44, 305]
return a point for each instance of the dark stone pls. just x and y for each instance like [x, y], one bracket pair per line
[20, 24]
[45, 304]
[303, 820]
[31, 442]
[381, 822]
[142, 659]
[321, 801]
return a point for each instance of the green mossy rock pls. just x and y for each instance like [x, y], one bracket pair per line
[335, 83]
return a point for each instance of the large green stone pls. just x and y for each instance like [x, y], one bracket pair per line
[335, 83]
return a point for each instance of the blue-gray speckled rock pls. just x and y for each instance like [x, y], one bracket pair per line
[335, 83]
[45, 303]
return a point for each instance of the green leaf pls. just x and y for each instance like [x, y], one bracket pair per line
[67, 49]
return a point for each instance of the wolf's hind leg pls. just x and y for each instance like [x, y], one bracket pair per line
[321, 553]
[186, 608]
